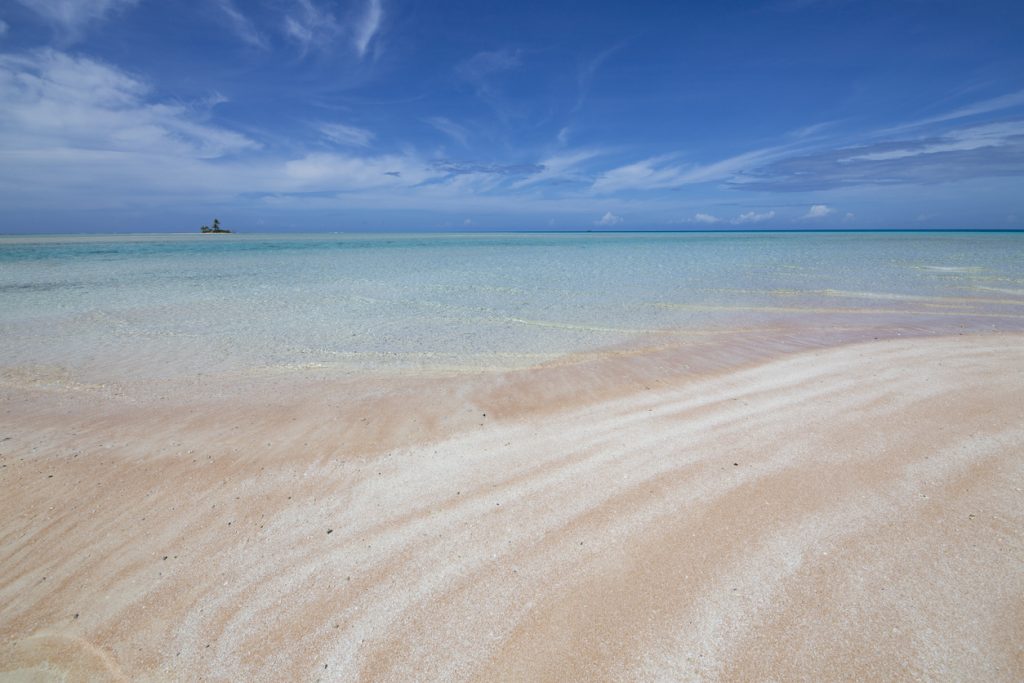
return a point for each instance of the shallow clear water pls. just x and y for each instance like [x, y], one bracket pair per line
[173, 305]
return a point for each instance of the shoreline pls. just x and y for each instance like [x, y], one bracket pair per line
[574, 521]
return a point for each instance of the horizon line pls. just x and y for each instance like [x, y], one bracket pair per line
[527, 231]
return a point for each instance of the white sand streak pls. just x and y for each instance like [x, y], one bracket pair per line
[845, 513]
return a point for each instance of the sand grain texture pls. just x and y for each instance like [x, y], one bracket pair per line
[846, 513]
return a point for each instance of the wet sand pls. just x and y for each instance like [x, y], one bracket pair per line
[847, 512]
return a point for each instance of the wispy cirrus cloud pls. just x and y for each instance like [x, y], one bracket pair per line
[311, 26]
[368, 26]
[343, 172]
[72, 17]
[988, 150]
[924, 151]
[345, 135]
[811, 131]
[658, 173]
[453, 130]
[1000, 103]
[977, 137]
[240, 24]
[649, 174]
[587, 72]
[454, 168]
[560, 167]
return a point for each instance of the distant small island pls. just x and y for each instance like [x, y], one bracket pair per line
[206, 229]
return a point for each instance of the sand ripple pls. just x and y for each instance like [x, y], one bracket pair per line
[854, 512]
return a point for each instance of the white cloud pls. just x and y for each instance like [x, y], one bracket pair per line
[98, 138]
[648, 174]
[72, 16]
[368, 26]
[561, 166]
[706, 218]
[93, 135]
[213, 99]
[314, 26]
[753, 217]
[657, 173]
[324, 172]
[241, 24]
[986, 150]
[563, 135]
[462, 185]
[1007, 101]
[451, 129]
[964, 140]
[349, 136]
[52, 100]
[812, 130]
[818, 211]
[311, 26]
[3, 27]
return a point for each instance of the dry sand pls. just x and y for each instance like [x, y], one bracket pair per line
[846, 513]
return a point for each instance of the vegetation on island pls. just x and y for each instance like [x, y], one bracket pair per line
[216, 228]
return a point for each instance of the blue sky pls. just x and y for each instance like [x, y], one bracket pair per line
[137, 115]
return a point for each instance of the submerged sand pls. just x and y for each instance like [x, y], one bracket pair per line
[854, 512]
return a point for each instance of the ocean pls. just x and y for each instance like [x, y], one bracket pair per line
[172, 306]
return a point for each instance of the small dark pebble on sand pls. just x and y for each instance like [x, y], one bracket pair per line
[330, 531]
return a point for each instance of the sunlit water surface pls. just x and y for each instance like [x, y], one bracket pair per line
[178, 305]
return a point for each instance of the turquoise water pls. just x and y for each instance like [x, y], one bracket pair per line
[172, 305]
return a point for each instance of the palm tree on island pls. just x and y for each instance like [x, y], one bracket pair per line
[216, 228]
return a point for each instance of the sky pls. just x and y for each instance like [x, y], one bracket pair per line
[363, 115]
